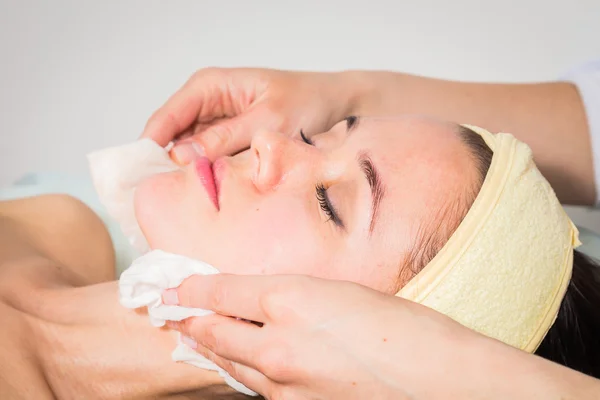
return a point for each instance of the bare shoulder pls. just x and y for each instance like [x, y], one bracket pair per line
[64, 214]
[68, 232]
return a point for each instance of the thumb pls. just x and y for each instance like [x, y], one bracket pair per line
[232, 135]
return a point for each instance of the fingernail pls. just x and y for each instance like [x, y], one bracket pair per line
[189, 341]
[169, 297]
[171, 324]
[185, 152]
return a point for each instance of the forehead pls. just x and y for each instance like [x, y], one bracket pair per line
[423, 165]
[414, 150]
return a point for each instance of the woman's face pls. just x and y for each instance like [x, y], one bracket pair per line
[347, 207]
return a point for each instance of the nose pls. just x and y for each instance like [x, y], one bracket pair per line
[275, 153]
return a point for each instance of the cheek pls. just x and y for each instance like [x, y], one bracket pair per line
[273, 224]
[275, 238]
[165, 214]
[152, 200]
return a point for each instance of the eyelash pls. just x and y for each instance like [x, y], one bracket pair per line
[321, 193]
[326, 205]
[305, 139]
[351, 121]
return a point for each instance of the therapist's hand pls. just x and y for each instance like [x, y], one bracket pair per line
[220, 109]
[326, 339]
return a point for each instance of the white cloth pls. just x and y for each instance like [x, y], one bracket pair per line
[116, 172]
[142, 284]
[586, 78]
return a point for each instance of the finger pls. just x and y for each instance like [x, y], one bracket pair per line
[185, 107]
[245, 344]
[225, 294]
[247, 376]
[173, 118]
[229, 136]
[196, 128]
[254, 298]
[185, 134]
[186, 151]
[227, 337]
[182, 153]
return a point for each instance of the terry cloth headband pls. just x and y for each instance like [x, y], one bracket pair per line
[506, 268]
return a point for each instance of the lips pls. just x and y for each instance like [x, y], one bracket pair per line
[204, 169]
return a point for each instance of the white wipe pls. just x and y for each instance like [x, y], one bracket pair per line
[116, 172]
[142, 284]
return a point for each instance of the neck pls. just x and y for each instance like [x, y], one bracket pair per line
[92, 347]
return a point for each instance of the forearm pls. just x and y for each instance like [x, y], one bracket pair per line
[93, 347]
[497, 371]
[54, 255]
[547, 116]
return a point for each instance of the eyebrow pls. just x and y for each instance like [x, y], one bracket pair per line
[377, 189]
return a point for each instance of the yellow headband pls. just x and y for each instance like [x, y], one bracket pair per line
[506, 268]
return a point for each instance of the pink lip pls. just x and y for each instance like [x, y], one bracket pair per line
[204, 169]
[218, 169]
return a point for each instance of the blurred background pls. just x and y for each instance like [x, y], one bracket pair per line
[76, 76]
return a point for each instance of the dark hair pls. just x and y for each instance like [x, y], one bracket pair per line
[574, 338]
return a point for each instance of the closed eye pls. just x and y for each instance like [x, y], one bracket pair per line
[321, 194]
[327, 207]
[306, 139]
